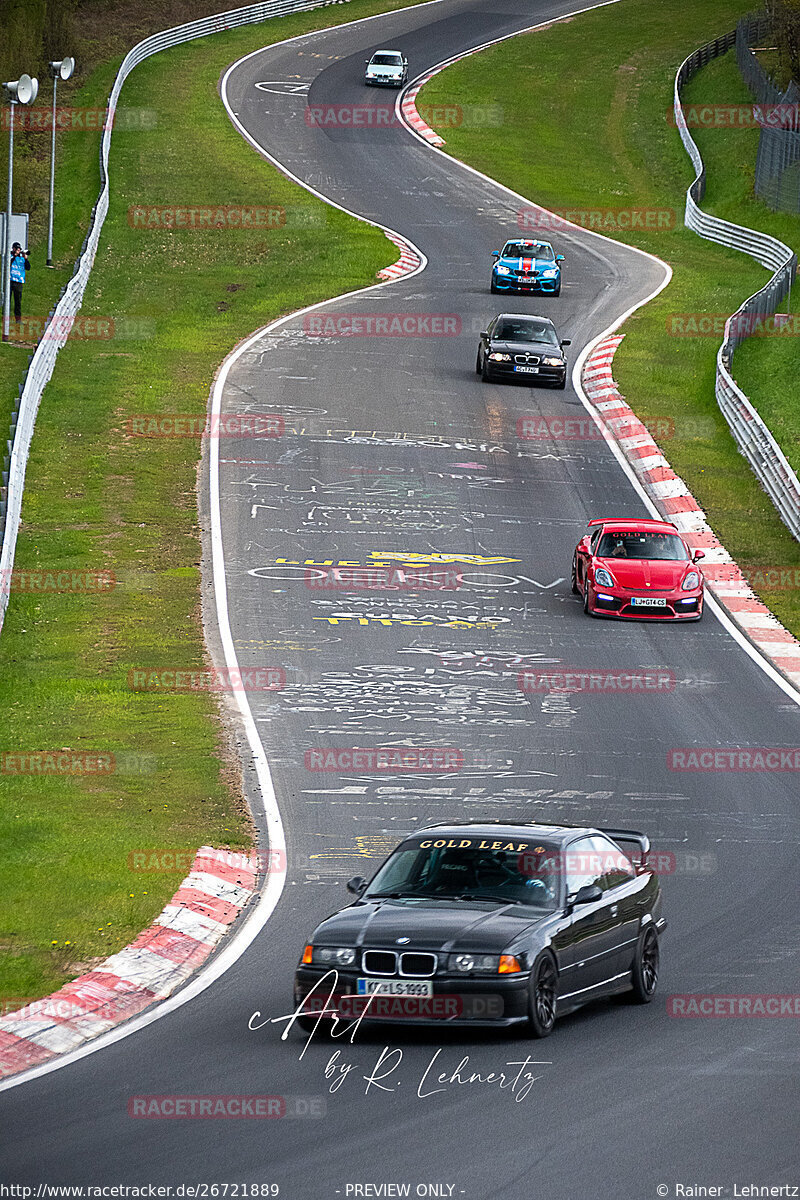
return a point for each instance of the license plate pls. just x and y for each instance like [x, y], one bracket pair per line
[527, 370]
[648, 601]
[395, 987]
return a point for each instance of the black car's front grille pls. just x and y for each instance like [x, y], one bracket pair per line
[420, 965]
[410, 964]
[530, 359]
[380, 962]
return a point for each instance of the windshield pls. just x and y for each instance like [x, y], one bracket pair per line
[526, 875]
[528, 250]
[642, 545]
[524, 331]
[385, 60]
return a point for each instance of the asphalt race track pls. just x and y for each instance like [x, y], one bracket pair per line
[393, 445]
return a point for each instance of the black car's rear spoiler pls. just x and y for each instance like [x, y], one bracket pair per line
[630, 835]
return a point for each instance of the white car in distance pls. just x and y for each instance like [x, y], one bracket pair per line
[386, 68]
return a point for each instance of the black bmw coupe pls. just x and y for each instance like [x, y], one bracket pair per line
[489, 924]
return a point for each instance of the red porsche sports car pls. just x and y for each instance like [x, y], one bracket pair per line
[637, 568]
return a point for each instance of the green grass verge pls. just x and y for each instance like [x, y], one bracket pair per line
[98, 499]
[585, 108]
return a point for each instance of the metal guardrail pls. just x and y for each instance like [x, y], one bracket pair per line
[60, 318]
[752, 436]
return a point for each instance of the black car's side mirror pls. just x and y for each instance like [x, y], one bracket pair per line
[698, 554]
[356, 885]
[567, 342]
[587, 894]
[484, 333]
[495, 254]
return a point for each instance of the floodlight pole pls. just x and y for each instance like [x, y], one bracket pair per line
[52, 173]
[7, 248]
[59, 70]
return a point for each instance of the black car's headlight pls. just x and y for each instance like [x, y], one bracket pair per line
[550, 360]
[474, 964]
[332, 956]
[483, 964]
[496, 356]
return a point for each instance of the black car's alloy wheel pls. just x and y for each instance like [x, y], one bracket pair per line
[485, 376]
[645, 967]
[478, 364]
[544, 989]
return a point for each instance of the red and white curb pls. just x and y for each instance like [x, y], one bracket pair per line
[211, 897]
[409, 111]
[676, 503]
[408, 261]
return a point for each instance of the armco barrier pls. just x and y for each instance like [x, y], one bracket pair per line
[751, 434]
[43, 360]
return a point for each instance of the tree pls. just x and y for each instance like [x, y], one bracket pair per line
[785, 19]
